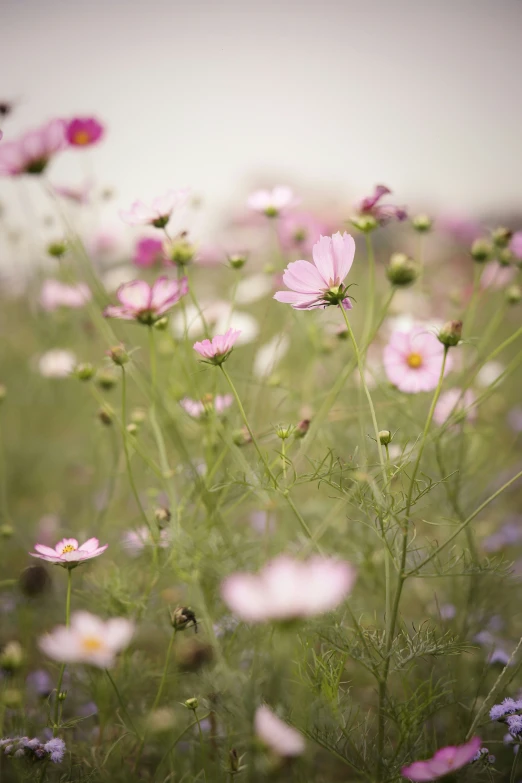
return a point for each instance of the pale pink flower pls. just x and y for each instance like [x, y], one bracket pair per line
[194, 408]
[198, 408]
[273, 203]
[454, 403]
[56, 363]
[381, 212]
[89, 639]
[158, 212]
[55, 294]
[462, 228]
[79, 194]
[413, 360]
[144, 303]
[300, 231]
[277, 735]
[218, 349]
[516, 245]
[222, 402]
[322, 283]
[31, 153]
[288, 589]
[444, 761]
[497, 276]
[135, 541]
[68, 553]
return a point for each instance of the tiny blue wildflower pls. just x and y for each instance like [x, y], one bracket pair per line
[56, 749]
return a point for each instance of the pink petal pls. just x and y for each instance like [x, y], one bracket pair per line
[135, 296]
[90, 545]
[303, 277]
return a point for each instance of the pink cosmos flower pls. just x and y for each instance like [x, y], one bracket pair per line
[277, 735]
[218, 349]
[322, 283]
[55, 294]
[144, 303]
[198, 408]
[444, 761]
[516, 245]
[497, 276]
[79, 194]
[381, 212]
[68, 553]
[31, 153]
[149, 252]
[273, 203]
[83, 131]
[89, 639]
[158, 212]
[135, 541]
[456, 404]
[288, 589]
[413, 360]
[300, 231]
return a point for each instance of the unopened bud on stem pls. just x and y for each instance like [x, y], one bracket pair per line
[450, 334]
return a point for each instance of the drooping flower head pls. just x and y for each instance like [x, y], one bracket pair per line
[457, 404]
[88, 639]
[372, 208]
[55, 294]
[273, 203]
[444, 761]
[149, 251]
[68, 553]
[287, 589]
[322, 283]
[158, 212]
[278, 736]
[413, 360]
[31, 153]
[83, 131]
[146, 304]
[218, 349]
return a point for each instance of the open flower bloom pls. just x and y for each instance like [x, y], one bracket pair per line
[158, 212]
[288, 589]
[218, 349]
[55, 294]
[457, 404]
[83, 131]
[444, 761]
[198, 408]
[144, 303]
[149, 252]
[322, 283]
[31, 153]
[277, 735]
[413, 360]
[381, 212]
[68, 553]
[88, 639]
[56, 363]
[272, 203]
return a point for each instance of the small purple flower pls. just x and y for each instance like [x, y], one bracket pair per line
[382, 213]
[56, 749]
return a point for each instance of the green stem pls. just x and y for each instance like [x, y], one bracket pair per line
[122, 705]
[370, 258]
[4, 505]
[164, 463]
[57, 701]
[180, 736]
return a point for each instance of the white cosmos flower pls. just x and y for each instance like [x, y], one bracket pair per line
[253, 288]
[270, 354]
[88, 639]
[57, 363]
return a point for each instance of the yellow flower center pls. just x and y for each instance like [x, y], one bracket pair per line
[92, 644]
[68, 548]
[81, 137]
[414, 360]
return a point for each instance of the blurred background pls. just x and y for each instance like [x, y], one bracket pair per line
[330, 96]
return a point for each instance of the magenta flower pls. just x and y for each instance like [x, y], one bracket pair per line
[158, 212]
[67, 553]
[287, 589]
[300, 231]
[144, 303]
[83, 131]
[413, 360]
[444, 761]
[273, 203]
[31, 153]
[322, 283]
[381, 212]
[218, 349]
[278, 736]
[148, 252]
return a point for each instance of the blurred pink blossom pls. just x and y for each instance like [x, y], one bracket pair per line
[300, 231]
[158, 212]
[83, 131]
[273, 203]
[455, 403]
[219, 348]
[31, 153]
[322, 283]
[79, 194]
[381, 212]
[55, 294]
[68, 553]
[516, 245]
[197, 408]
[413, 360]
[277, 735]
[144, 303]
[444, 761]
[88, 639]
[148, 251]
[462, 228]
[288, 589]
[497, 276]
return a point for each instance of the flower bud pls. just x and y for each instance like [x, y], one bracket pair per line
[34, 580]
[11, 657]
[269, 269]
[163, 516]
[106, 379]
[181, 252]
[11, 698]
[302, 428]
[161, 324]
[233, 760]
[365, 223]
[56, 249]
[62, 695]
[501, 236]
[6, 531]
[84, 371]
[402, 270]
[241, 437]
[385, 437]
[283, 432]
[118, 355]
[106, 415]
[422, 223]
[138, 416]
[192, 704]
[513, 294]
[132, 428]
[481, 250]
[450, 334]
[183, 617]
[237, 261]
[505, 256]
[3, 392]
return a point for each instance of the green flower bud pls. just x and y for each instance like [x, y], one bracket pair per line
[402, 270]
[11, 698]
[283, 432]
[6, 531]
[106, 415]
[241, 437]
[237, 261]
[84, 371]
[163, 516]
[450, 334]
[106, 379]
[385, 437]
[118, 354]
[3, 392]
[56, 249]
[161, 324]
[192, 704]
[11, 657]
[183, 617]
[481, 250]
[138, 415]
[505, 256]
[62, 695]
[302, 428]
[422, 223]
[365, 223]
[132, 428]
[513, 294]
[501, 236]
[181, 252]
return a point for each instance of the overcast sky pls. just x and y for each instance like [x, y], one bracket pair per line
[423, 96]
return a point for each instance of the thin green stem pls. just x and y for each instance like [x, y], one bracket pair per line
[122, 705]
[180, 736]
[164, 463]
[370, 258]
[58, 700]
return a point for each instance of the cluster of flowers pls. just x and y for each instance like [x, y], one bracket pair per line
[509, 712]
[33, 749]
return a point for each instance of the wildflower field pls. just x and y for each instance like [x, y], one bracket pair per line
[260, 496]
